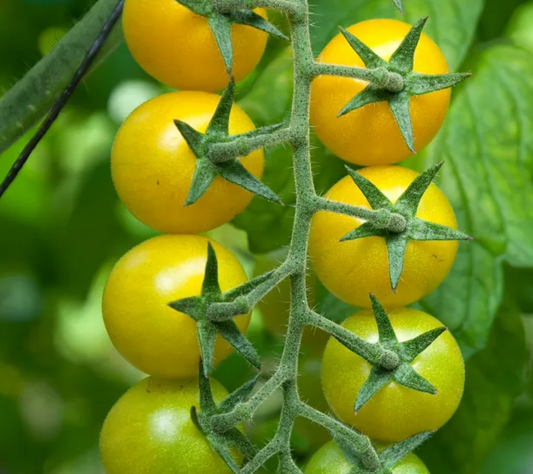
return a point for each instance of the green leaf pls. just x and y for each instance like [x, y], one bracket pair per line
[387, 336]
[234, 172]
[364, 230]
[377, 379]
[193, 138]
[207, 402]
[230, 332]
[371, 59]
[423, 230]
[495, 378]
[404, 57]
[398, 5]
[411, 348]
[250, 18]
[239, 395]
[452, 25]
[369, 95]
[399, 105]
[419, 84]
[407, 376]
[210, 285]
[207, 334]
[408, 202]
[204, 175]
[396, 247]
[193, 306]
[219, 124]
[491, 190]
[394, 454]
[373, 195]
[221, 27]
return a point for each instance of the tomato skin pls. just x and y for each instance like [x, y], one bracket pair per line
[150, 431]
[370, 135]
[395, 412]
[153, 337]
[353, 269]
[329, 459]
[152, 165]
[178, 48]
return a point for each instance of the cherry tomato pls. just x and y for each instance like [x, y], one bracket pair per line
[150, 431]
[152, 166]
[395, 412]
[330, 460]
[177, 46]
[152, 336]
[353, 269]
[370, 135]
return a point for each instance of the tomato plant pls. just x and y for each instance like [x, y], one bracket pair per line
[426, 263]
[194, 62]
[150, 430]
[395, 412]
[153, 167]
[370, 135]
[382, 237]
[144, 328]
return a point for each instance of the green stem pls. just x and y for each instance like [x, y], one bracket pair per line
[286, 6]
[31, 97]
[379, 77]
[220, 152]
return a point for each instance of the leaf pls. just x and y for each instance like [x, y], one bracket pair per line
[495, 378]
[489, 122]
[452, 23]
[234, 172]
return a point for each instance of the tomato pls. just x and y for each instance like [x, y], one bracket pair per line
[395, 412]
[150, 431]
[152, 165]
[330, 460]
[177, 46]
[152, 336]
[353, 269]
[275, 306]
[370, 135]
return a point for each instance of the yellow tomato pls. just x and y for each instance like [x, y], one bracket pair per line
[370, 135]
[395, 412]
[150, 431]
[353, 269]
[152, 166]
[152, 336]
[177, 46]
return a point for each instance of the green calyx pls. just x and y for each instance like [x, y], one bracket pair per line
[196, 307]
[398, 83]
[233, 438]
[221, 23]
[409, 226]
[231, 170]
[395, 362]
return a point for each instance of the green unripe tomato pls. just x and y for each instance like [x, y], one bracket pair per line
[150, 431]
[395, 412]
[329, 459]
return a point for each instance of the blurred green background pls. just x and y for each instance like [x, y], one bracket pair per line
[62, 228]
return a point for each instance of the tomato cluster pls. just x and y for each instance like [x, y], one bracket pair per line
[153, 166]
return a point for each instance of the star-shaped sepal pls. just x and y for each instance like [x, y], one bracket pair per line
[398, 4]
[388, 457]
[233, 439]
[207, 330]
[221, 23]
[407, 205]
[396, 366]
[231, 170]
[407, 84]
